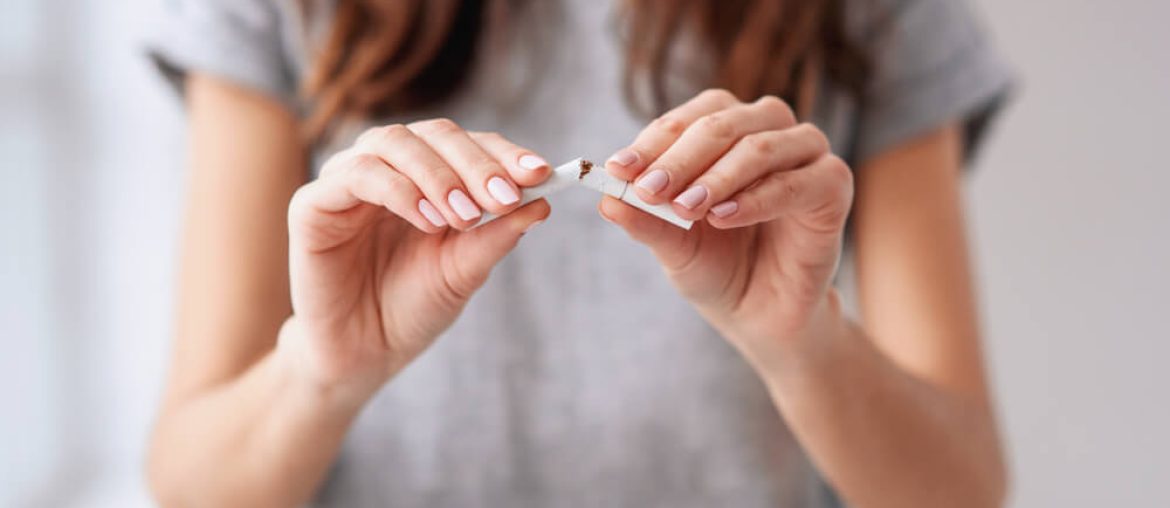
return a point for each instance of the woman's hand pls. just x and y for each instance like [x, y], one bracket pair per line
[381, 260]
[774, 200]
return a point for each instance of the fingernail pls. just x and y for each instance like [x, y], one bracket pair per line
[462, 205]
[532, 162]
[692, 197]
[654, 181]
[428, 210]
[532, 226]
[725, 208]
[503, 192]
[624, 157]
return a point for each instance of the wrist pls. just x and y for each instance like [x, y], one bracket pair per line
[827, 322]
[300, 370]
[777, 354]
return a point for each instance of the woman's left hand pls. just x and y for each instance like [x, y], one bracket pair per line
[770, 202]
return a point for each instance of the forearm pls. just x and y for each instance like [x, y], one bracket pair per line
[265, 438]
[882, 436]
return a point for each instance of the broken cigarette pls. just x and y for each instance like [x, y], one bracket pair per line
[603, 182]
[581, 172]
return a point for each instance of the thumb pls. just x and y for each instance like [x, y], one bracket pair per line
[673, 246]
[474, 253]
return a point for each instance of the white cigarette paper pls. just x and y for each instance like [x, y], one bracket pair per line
[584, 173]
[601, 181]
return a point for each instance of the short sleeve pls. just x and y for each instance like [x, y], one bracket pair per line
[236, 40]
[932, 64]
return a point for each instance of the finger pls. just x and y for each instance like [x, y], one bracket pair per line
[704, 142]
[664, 131]
[412, 157]
[477, 251]
[671, 244]
[820, 194]
[361, 179]
[750, 159]
[336, 162]
[525, 167]
[488, 181]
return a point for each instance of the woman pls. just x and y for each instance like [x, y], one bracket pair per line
[630, 363]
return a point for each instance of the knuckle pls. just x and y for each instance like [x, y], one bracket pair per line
[362, 161]
[385, 134]
[334, 162]
[436, 126]
[838, 168]
[771, 102]
[760, 144]
[393, 132]
[492, 137]
[669, 125]
[717, 126]
[840, 175]
[297, 201]
[776, 106]
[834, 200]
[719, 95]
[815, 136]
[299, 206]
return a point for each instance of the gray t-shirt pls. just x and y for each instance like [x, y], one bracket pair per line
[577, 376]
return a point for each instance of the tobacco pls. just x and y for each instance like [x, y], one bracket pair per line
[586, 167]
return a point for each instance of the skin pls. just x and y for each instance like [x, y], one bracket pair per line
[895, 412]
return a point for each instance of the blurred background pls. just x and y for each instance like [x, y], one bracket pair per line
[1069, 210]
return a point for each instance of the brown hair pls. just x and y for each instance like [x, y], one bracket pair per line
[395, 55]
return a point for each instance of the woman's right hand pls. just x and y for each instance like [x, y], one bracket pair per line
[381, 258]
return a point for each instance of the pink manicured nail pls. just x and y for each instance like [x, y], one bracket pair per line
[532, 162]
[692, 197]
[654, 181]
[462, 205]
[502, 191]
[624, 157]
[428, 210]
[725, 208]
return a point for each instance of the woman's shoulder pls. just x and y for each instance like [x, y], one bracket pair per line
[258, 44]
[933, 62]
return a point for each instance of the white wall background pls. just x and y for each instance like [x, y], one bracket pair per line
[1069, 210]
[1073, 227]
